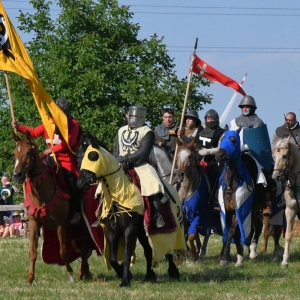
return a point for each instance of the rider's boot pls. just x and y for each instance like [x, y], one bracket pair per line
[157, 217]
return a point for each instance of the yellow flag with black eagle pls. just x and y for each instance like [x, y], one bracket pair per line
[14, 58]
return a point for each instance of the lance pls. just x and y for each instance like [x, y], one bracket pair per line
[184, 107]
[230, 104]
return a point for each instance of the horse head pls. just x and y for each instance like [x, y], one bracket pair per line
[87, 139]
[187, 159]
[283, 159]
[25, 156]
[229, 146]
[89, 166]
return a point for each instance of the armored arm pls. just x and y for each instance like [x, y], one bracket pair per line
[211, 151]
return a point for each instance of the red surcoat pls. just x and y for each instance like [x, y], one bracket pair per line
[60, 147]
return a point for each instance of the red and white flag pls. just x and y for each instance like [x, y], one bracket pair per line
[205, 70]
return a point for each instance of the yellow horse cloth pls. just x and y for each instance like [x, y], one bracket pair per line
[114, 185]
[170, 243]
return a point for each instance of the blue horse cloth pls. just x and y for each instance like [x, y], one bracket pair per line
[198, 208]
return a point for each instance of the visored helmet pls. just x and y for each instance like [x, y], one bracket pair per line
[213, 114]
[193, 114]
[136, 116]
[64, 105]
[248, 100]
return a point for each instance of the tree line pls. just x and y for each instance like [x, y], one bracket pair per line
[90, 54]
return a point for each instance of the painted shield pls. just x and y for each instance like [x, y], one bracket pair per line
[258, 142]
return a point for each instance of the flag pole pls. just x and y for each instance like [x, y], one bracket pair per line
[10, 99]
[230, 104]
[184, 108]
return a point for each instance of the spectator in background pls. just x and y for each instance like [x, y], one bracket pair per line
[15, 228]
[166, 132]
[7, 191]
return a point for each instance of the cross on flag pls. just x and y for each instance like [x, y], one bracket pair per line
[202, 68]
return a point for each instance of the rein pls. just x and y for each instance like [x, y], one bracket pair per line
[103, 176]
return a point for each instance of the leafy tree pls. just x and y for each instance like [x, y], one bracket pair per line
[91, 55]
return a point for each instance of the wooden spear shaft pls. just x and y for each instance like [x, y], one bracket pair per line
[10, 99]
[184, 108]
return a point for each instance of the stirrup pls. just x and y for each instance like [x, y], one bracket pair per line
[159, 221]
[75, 218]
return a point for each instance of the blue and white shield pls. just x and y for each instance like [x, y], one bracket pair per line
[259, 145]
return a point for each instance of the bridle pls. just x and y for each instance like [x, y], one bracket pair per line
[284, 171]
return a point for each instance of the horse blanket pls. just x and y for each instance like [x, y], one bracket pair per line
[199, 208]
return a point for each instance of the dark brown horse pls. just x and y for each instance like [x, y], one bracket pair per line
[240, 198]
[48, 205]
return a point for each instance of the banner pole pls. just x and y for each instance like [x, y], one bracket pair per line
[184, 108]
[10, 99]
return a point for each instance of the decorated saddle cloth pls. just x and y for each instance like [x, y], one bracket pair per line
[168, 239]
[199, 208]
[243, 205]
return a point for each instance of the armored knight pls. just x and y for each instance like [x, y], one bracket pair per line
[256, 143]
[132, 147]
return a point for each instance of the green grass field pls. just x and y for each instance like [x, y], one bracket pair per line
[205, 279]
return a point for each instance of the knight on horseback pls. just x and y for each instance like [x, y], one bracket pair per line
[132, 147]
[255, 143]
[62, 153]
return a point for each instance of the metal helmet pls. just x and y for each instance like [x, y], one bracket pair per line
[213, 114]
[248, 100]
[64, 105]
[193, 114]
[136, 116]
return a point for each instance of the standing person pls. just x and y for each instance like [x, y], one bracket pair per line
[64, 155]
[7, 191]
[166, 132]
[193, 125]
[132, 147]
[290, 128]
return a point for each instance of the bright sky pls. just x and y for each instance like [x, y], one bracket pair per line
[257, 37]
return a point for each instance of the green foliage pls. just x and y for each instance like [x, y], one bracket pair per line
[91, 55]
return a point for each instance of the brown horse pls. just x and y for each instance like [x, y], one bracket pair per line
[240, 199]
[48, 205]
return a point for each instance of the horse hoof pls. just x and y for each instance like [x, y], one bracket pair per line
[125, 283]
[238, 265]
[223, 263]
[88, 276]
[151, 277]
[70, 278]
[284, 264]
[174, 273]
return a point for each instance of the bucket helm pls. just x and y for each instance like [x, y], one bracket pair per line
[193, 114]
[64, 105]
[213, 114]
[136, 116]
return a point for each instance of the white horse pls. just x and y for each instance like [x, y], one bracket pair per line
[287, 168]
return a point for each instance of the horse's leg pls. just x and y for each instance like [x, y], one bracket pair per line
[33, 229]
[84, 269]
[61, 234]
[130, 244]
[239, 248]
[194, 255]
[276, 233]
[143, 239]
[172, 270]
[198, 243]
[266, 219]
[204, 246]
[257, 228]
[290, 215]
[225, 258]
